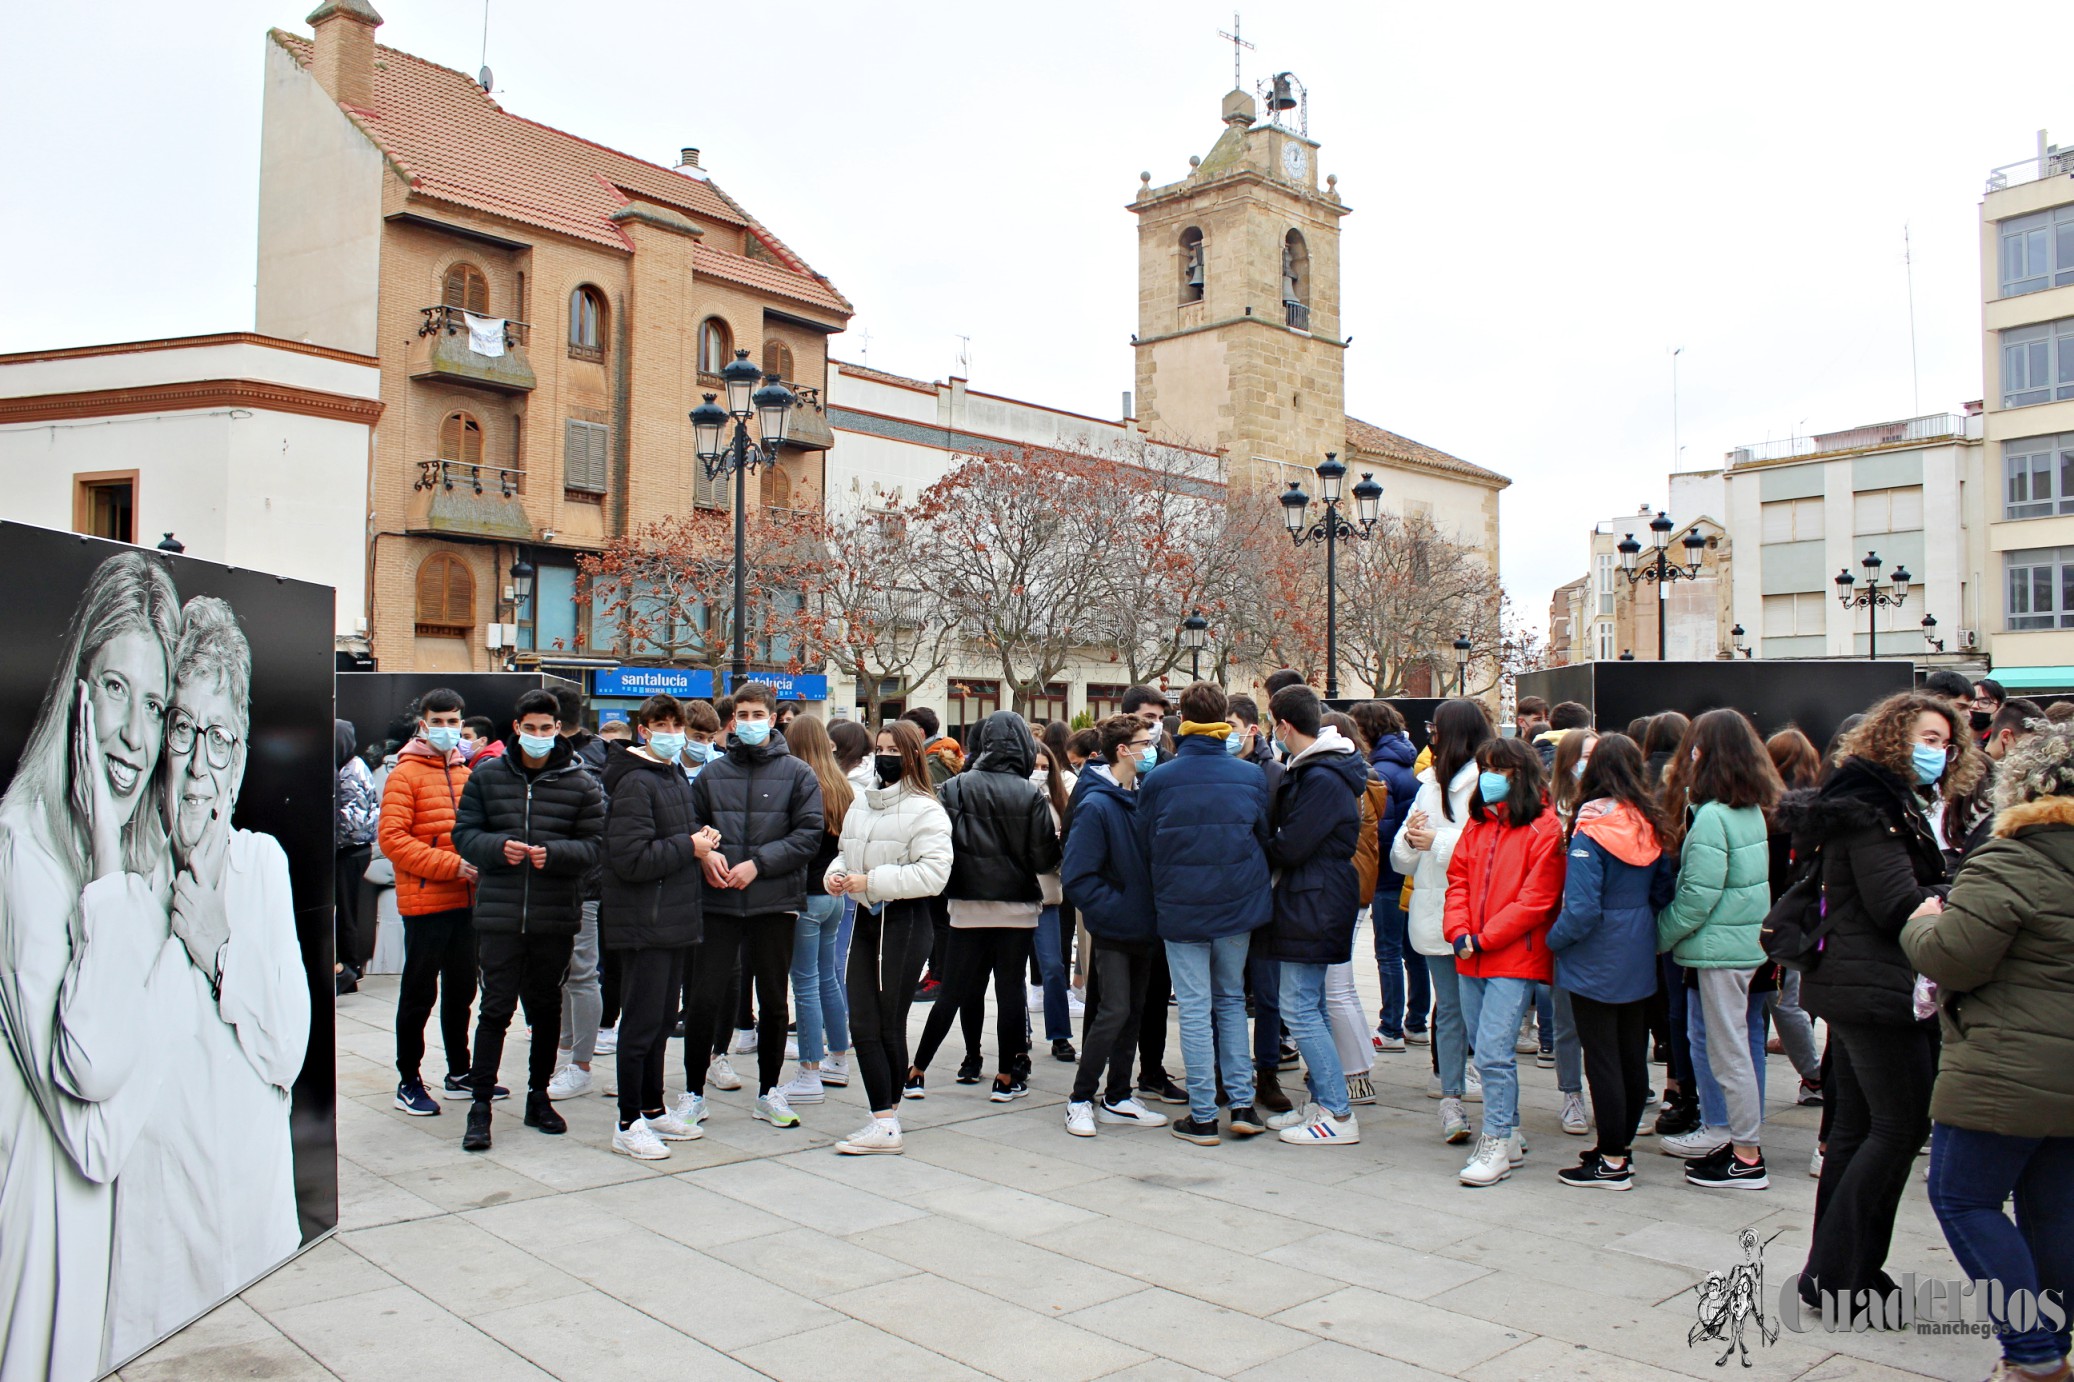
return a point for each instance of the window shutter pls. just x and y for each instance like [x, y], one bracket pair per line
[583, 455]
[777, 359]
[709, 491]
[467, 289]
[460, 439]
[446, 597]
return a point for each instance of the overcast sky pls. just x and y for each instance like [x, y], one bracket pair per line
[1546, 199]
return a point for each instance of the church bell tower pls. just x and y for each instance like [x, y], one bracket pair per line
[1239, 344]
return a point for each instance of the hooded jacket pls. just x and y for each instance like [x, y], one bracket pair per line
[1104, 872]
[1716, 916]
[1392, 761]
[1618, 876]
[1315, 831]
[1427, 869]
[1504, 887]
[2002, 953]
[654, 892]
[1879, 861]
[767, 806]
[1546, 743]
[1202, 820]
[899, 839]
[419, 803]
[558, 808]
[944, 758]
[1002, 836]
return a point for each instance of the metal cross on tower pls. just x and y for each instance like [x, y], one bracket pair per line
[1236, 44]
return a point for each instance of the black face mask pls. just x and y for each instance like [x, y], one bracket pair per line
[887, 765]
[1981, 719]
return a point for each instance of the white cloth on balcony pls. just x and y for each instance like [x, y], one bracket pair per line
[485, 334]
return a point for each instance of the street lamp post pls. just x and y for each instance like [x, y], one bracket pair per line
[1462, 647]
[1873, 596]
[1368, 507]
[1737, 640]
[1661, 570]
[1195, 632]
[719, 453]
[1930, 638]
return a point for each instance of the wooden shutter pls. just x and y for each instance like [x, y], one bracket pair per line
[446, 597]
[584, 447]
[460, 439]
[467, 289]
[777, 359]
[710, 491]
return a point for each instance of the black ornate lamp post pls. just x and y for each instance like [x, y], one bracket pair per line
[1368, 507]
[521, 583]
[1661, 570]
[720, 453]
[1462, 646]
[1930, 638]
[1627, 654]
[1873, 596]
[172, 544]
[1739, 642]
[1195, 632]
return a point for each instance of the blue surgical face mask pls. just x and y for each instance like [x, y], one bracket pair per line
[703, 751]
[1930, 763]
[1235, 742]
[1494, 787]
[1151, 757]
[1578, 771]
[445, 738]
[667, 747]
[536, 745]
[752, 732]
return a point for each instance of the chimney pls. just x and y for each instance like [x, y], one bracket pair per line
[688, 164]
[344, 58]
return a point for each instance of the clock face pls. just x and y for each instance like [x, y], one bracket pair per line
[1295, 158]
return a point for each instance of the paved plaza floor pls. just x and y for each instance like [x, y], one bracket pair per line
[999, 1246]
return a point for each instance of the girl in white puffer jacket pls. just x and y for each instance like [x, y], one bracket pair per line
[895, 854]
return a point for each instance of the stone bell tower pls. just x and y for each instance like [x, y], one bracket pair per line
[1239, 344]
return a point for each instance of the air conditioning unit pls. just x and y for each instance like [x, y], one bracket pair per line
[1968, 639]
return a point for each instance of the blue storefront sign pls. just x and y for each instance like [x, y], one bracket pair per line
[697, 683]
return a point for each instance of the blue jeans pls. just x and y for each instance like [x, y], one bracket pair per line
[1450, 1031]
[1559, 1032]
[1210, 990]
[1407, 992]
[1971, 1174]
[1303, 1008]
[1493, 1010]
[1051, 967]
[1713, 1104]
[817, 978]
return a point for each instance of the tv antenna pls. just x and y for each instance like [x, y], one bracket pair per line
[1236, 44]
[483, 78]
[1915, 374]
[964, 357]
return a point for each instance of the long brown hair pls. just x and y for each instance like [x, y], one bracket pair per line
[1563, 784]
[1617, 772]
[1887, 736]
[1795, 757]
[1526, 801]
[907, 741]
[1460, 728]
[807, 737]
[1731, 768]
[1054, 780]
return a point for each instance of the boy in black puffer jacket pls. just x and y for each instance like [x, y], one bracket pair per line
[531, 821]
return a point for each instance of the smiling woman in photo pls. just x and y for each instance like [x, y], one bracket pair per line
[82, 862]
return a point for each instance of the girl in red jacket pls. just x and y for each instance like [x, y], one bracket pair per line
[1504, 888]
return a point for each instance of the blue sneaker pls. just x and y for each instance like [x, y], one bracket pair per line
[412, 1099]
[457, 1087]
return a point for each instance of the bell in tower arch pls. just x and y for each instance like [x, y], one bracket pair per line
[1282, 95]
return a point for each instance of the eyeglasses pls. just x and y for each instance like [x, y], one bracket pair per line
[218, 743]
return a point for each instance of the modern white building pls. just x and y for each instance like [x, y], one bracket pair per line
[248, 450]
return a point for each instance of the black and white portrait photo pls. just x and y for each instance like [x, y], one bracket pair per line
[163, 860]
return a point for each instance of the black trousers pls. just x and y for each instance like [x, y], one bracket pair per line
[974, 953]
[353, 926]
[608, 980]
[1879, 1088]
[438, 963]
[887, 952]
[939, 935]
[649, 982]
[1115, 1000]
[745, 1014]
[519, 971]
[1264, 976]
[1152, 1018]
[768, 956]
[1615, 1041]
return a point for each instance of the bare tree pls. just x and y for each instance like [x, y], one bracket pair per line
[1406, 594]
[884, 623]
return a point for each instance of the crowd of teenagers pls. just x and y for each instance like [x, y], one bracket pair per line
[1683, 893]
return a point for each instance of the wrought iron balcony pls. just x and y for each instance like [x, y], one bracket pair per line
[806, 428]
[447, 474]
[444, 350]
[465, 497]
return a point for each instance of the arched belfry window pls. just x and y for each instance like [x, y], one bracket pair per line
[1296, 280]
[1194, 271]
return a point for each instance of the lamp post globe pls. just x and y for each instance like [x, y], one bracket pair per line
[1295, 505]
[1462, 649]
[1368, 500]
[521, 581]
[708, 430]
[740, 378]
[1660, 530]
[1331, 475]
[1629, 549]
[773, 403]
[1195, 633]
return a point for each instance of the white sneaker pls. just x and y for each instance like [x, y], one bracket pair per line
[1489, 1164]
[1419, 1038]
[673, 1129]
[607, 1076]
[1296, 1117]
[744, 1043]
[1815, 1164]
[1433, 1090]
[835, 1069]
[1080, 1119]
[1036, 993]
[1697, 1143]
[774, 1109]
[803, 1088]
[1130, 1113]
[639, 1141]
[721, 1073]
[1360, 1089]
[1528, 1043]
[1472, 1086]
[1324, 1129]
[1386, 1043]
[607, 1043]
[791, 1048]
[1076, 1003]
[1576, 1121]
[881, 1138]
[689, 1108]
[1516, 1147]
[1454, 1121]
[569, 1081]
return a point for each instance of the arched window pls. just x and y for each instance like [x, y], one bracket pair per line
[1194, 272]
[586, 324]
[1296, 280]
[460, 439]
[777, 359]
[446, 597]
[716, 345]
[467, 289]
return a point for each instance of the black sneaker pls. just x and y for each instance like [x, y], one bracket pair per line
[413, 1100]
[969, 1070]
[1288, 1058]
[1680, 1118]
[477, 1137]
[1063, 1051]
[1592, 1173]
[1246, 1123]
[1202, 1134]
[1545, 1057]
[457, 1087]
[1008, 1088]
[1726, 1171]
[914, 1088]
[540, 1113]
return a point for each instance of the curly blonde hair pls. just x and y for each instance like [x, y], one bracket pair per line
[2041, 764]
[1887, 737]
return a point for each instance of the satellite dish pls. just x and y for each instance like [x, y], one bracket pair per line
[484, 79]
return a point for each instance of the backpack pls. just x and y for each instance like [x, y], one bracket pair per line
[359, 809]
[1797, 926]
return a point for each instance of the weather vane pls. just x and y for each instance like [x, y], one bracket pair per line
[1236, 44]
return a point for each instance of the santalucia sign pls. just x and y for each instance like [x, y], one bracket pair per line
[1924, 1306]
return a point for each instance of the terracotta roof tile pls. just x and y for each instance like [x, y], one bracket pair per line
[457, 145]
[857, 371]
[1369, 439]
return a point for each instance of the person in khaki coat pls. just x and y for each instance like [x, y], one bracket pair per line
[2001, 951]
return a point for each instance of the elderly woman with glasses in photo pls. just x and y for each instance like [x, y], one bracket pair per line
[206, 1203]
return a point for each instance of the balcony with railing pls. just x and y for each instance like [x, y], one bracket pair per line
[490, 354]
[1914, 431]
[806, 426]
[2050, 161]
[1297, 314]
[468, 499]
